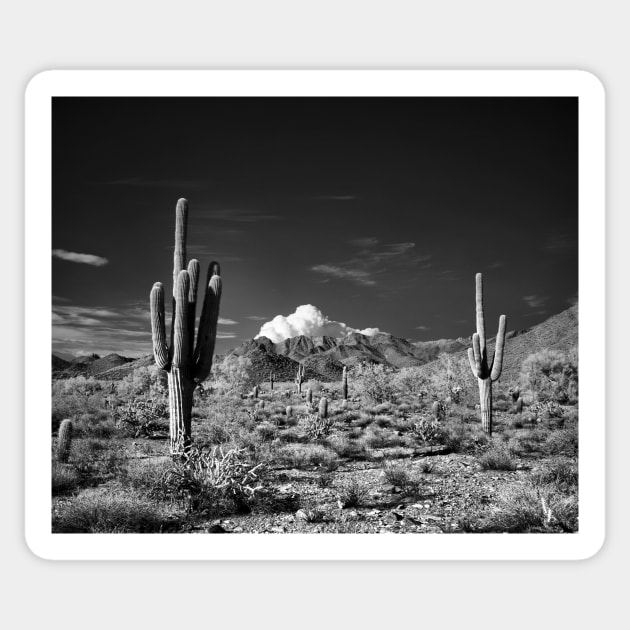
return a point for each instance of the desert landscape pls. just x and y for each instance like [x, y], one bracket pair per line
[463, 422]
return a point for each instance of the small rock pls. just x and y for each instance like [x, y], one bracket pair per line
[216, 529]
[278, 530]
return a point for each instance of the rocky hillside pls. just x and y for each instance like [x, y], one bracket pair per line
[324, 357]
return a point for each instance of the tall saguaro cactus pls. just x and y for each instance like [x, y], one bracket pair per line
[486, 371]
[187, 364]
[344, 383]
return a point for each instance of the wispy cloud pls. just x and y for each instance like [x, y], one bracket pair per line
[372, 261]
[423, 328]
[86, 259]
[257, 318]
[495, 265]
[356, 275]
[573, 299]
[227, 322]
[125, 330]
[367, 241]
[534, 301]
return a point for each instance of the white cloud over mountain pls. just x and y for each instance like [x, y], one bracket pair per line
[310, 321]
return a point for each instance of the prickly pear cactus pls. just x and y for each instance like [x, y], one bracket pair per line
[186, 362]
[64, 441]
[486, 371]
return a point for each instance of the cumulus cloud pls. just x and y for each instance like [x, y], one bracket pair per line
[310, 321]
[87, 259]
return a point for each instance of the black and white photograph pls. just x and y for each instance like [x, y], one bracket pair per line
[312, 315]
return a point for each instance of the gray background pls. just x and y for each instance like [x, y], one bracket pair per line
[272, 34]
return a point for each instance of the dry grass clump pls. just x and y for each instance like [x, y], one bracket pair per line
[398, 475]
[529, 508]
[301, 455]
[352, 494]
[497, 457]
[65, 479]
[108, 511]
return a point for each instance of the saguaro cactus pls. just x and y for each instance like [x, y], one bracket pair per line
[271, 381]
[64, 442]
[344, 383]
[485, 371]
[309, 396]
[323, 407]
[187, 364]
[299, 378]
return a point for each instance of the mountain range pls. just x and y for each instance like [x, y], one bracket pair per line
[325, 357]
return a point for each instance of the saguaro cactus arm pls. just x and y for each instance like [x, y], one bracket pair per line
[497, 361]
[208, 324]
[181, 341]
[158, 329]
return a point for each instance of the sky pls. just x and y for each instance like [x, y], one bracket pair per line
[369, 213]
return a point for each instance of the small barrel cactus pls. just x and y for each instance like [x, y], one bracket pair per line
[518, 406]
[323, 407]
[289, 411]
[64, 441]
[309, 396]
[255, 391]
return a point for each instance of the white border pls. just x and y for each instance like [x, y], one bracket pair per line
[320, 546]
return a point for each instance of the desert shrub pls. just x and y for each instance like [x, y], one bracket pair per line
[145, 474]
[397, 474]
[310, 513]
[233, 374]
[551, 375]
[289, 436]
[80, 385]
[141, 417]
[313, 385]
[149, 381]
[212, 478]
[373, 382]
[299, 455]
[561, 472]
[101, 510]
[529, 508]
[410, 381]
[500, 405]
[563, 442]
[383, 421]
[428, 430]
[453, 436]
[94, 426]
[352, 494]
[451, 377]
[65, 478]
[376, 437]
[267, 431]
[317, 427]
[497, 458]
